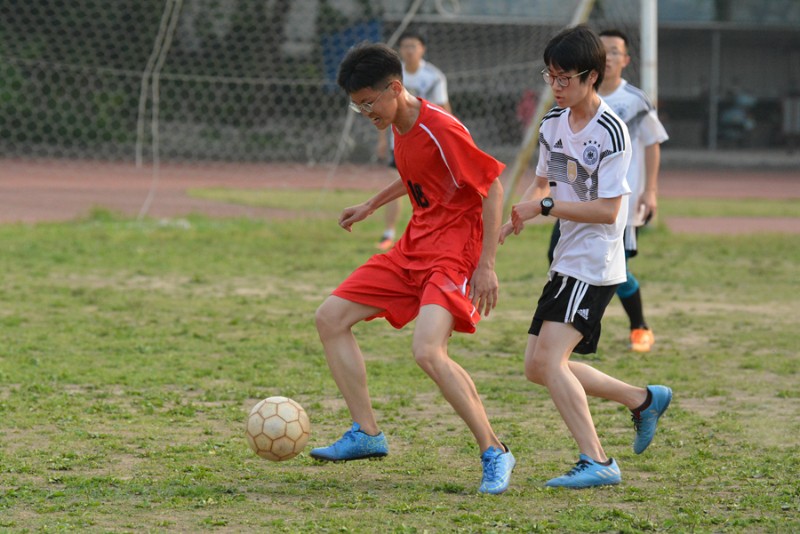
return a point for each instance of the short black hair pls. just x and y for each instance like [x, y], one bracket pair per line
[412, 34]
[614, 32]
[577, 48]
[369, 65]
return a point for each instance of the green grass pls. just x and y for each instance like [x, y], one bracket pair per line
[131, 352]
[744, 207]
[325, 201]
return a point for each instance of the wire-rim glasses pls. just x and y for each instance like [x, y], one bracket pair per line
[367, 106]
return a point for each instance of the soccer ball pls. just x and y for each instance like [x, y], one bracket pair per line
[277, 429]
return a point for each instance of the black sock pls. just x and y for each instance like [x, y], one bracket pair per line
[645, 404]
[633, 307]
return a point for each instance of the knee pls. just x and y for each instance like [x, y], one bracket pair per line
[427, 356]
[535, 371]
[326, 319]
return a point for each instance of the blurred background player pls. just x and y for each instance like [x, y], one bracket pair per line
[421, 79]
[647, 133]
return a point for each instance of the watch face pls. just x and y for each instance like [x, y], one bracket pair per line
[547, 205]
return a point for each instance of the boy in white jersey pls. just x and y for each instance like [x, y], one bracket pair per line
[647, 133]
[424, 80]
[580, 178]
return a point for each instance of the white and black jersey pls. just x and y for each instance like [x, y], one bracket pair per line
[581, 167]
[632, 105]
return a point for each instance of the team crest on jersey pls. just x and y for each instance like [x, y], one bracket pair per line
[591, 153]
[572, 170]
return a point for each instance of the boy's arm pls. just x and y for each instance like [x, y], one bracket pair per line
[359, 212]
[603, 210]
[539, 189]
[484, 285]
[649, 201]
[600, 211]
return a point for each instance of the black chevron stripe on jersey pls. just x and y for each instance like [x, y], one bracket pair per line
[554, 112]
[544, 142]
[614, 128]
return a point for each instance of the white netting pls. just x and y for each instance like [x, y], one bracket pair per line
[253, 80]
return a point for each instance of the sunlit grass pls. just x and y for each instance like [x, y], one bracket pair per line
[130, 353]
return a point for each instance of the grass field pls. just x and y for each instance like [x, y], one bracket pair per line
[130, 354]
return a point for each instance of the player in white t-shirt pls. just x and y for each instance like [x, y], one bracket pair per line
[421, 79]
[647, 133]
[585, 152]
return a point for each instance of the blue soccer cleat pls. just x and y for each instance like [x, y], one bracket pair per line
[588, 474]
[497, 466]
[353, 445]
[645, 422]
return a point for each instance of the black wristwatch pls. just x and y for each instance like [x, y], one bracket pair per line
[546, 204]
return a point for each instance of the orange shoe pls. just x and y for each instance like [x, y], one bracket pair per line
[642, 340]
[385, 243]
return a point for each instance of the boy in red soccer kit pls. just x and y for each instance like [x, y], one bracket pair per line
[441, 271]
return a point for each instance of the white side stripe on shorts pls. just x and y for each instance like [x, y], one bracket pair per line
[564, 280]
[463, 290]
[578, 292]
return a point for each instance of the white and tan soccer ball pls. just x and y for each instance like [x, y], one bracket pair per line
[278, 429]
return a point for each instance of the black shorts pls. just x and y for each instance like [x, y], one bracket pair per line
[630, 240]
[567, 300]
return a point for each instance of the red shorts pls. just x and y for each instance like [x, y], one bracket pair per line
[400, 293]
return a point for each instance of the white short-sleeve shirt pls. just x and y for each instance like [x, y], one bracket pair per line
[580, 167]
[632, 105]
[428, 83]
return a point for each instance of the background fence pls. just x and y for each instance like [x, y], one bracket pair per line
[253, 80]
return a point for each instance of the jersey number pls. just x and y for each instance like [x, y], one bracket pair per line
[419, 196]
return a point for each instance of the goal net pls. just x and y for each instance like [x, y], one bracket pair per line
[254, 80]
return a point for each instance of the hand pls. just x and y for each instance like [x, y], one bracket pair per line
[506, 230]
[648, 205]
[522, 212]
[483, 290]
[352, 215]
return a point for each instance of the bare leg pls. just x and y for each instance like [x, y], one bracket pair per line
[434, 325]
[335, 319]
[598, 384]
[547, 363]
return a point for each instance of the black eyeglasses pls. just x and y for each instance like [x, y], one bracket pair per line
[562, 81]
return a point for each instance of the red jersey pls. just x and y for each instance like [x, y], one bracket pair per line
[447, 177]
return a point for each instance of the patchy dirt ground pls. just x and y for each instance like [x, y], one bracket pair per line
[33, 191]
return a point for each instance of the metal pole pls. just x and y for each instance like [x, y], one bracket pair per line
[713, 91]
[649, 48]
